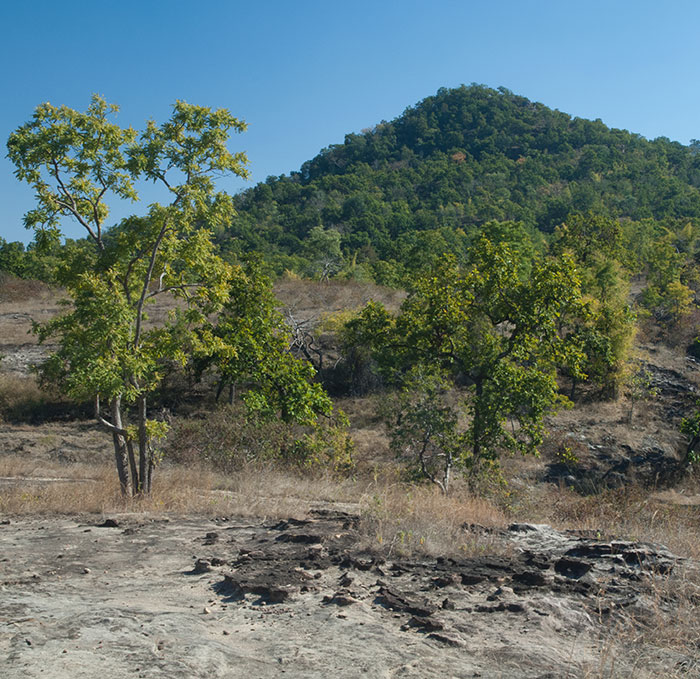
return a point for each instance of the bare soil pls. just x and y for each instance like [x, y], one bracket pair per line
[151, 596]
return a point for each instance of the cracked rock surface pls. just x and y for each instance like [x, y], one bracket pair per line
[196, 597]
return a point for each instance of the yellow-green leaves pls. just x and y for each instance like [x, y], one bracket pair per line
[109, 348]
[73, 160]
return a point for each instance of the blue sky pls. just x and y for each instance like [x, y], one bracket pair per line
[305, 73]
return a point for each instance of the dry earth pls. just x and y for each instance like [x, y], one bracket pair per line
[184, 597]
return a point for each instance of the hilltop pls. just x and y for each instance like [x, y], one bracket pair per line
[433, 177]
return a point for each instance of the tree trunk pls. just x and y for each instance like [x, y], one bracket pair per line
[132, 465]
[144, 448]
[121, 453]
[477, 423]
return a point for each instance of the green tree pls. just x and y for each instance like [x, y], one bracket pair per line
[589, 236]
[322, 248]
[109, 348]
[606, 332]
[253, 353]
[423, 426]
[12, 258]
[499, 335]
[690, 428]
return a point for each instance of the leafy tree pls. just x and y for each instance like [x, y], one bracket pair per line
[497, 335]
[424, 428]
[606, 332]
[667, 296]
[253, 352]
[690, 428]
[589, 236]
[110, 350]
[322, 248]
[12, 257]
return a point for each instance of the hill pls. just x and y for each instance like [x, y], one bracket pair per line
[430, 179]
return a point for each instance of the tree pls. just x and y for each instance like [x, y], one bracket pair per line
[666, 295]
[590, 235]
[12, 258]
[322, 248]
[253, 352]
[690, 428]
[606, 332]
[496, 335]
[109, 348]
[424, 428]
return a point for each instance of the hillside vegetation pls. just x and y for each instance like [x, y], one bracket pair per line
[387, 199]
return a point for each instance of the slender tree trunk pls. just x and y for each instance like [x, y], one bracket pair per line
[477, 423]
[121, 454]
[149, 479]
[132, 465]
[144, 452]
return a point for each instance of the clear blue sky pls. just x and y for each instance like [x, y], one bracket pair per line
[305, 73]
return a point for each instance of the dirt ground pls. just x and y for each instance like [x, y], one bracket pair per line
[190, 597]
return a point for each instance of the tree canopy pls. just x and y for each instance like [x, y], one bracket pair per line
[429, 180]
[110, 350]
[498, 336]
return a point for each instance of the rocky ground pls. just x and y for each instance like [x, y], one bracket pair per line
[154, 597]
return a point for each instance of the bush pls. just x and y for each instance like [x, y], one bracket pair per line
[231, 438]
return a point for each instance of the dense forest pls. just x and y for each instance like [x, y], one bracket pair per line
[391, 200]
[385, 200]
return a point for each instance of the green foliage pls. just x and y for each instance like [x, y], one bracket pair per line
[608, 328]
[251, 343]
[407, 191]
[423, 428]
[690, 428]
[668, 269]
[109, 349]
[589, 237]
[12, 258]
[499, 336]
[231, 437]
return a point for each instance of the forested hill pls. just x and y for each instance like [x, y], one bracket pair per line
[434, 176]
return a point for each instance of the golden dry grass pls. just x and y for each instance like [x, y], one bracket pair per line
[21, 303]
[398, 518]
[628, 513]
[311, 299]
[28, 487]
[394, 516]
[659, 639]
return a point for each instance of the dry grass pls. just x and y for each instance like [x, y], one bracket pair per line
[21, 303]
[22, 399]
[397, 518]
[29, 487]
[310, 299]
[20, 290]
[627, 513]
[660, 638]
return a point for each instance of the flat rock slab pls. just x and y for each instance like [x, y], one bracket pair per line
[138, 596]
